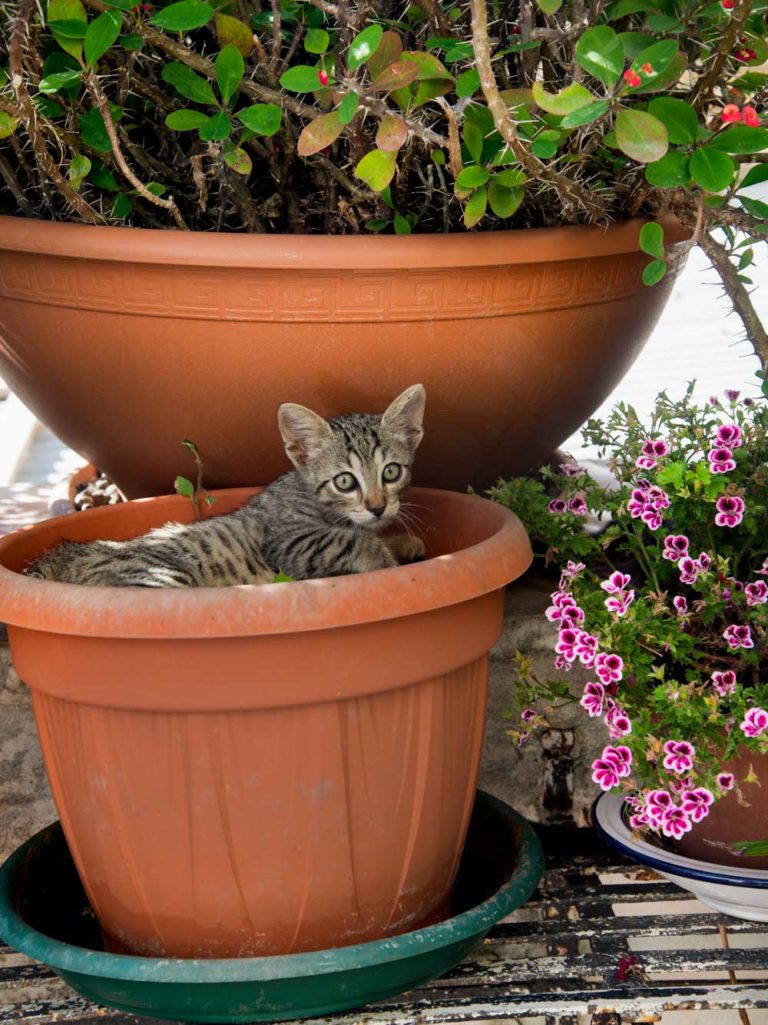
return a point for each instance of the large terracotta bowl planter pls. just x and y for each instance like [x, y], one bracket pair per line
[264, 770]
[124, 341]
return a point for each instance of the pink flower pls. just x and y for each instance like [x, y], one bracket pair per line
[586, 648]
[757, 593]
[528, 714]
[652, 518]
[651, 452]
[619, 603]
[618, 722]
[732, 394]
[621, 757]
[728, 436]
[557, 506]
[571, 469]
[730, 511]
[609, 668]
[763, 571]
[751, 116]
[703, 562]
[566, 643]
[755, 722]
[605, 774]
[572, 569]
[681, 604]
[678, 756]
[726, 781]
[721, 460]
[724, 682]
[689, 570]
[738, 637]
[675, 547]
[561, 664]
[696, 803]
[730, 112]
[616, 582]
[578, 507]
[675, 823]
[637, 503]
[657, 803]
[592, 700]
[638, 820]
[564, 609]
[657, 497]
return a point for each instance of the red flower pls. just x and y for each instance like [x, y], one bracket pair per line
[516, 30]
[751, 117]
[323, 77]
[729, 4]
[632, 78]
[744, 54]
[647, 69]
[730, 113]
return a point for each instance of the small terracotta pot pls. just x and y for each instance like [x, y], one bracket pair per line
[124, 341]
[264, 770]
[729, 821]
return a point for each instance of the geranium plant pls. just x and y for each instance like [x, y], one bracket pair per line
[667, 605]
[345, 117]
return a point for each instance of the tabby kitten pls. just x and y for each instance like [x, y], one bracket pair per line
[319, 520]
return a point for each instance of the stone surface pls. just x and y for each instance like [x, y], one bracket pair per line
[548, 779]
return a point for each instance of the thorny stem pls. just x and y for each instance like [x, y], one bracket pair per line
[567, 189]
[702, 91]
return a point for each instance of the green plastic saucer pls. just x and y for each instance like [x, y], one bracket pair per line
[44, 913]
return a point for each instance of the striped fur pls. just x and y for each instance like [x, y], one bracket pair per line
[319, 520]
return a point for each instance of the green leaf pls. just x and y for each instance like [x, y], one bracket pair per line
[316, 40]
[511, 178]
[641, 135]
[183, 16]
[653, 272]
[473, 140]
[184, 487]
[236, 158]
[652, 239]
[186, 120]
[544, 148]
[388, 51]
[283, 578]
[474, 211]
[376, 224]
[549, 6]
[740, 139]
[567, 100]
[678, 116]
[504, 201]
[217, 128]
[402, 226]
[188, 84]
[468, 83]
[103, 178]
[300, 79]
[319, 133]
[585, 115]
[51, 84]
[711, 169]
[93, 131]
[261, 118]
[230, 68]
[600, 53]
[78, 170]
[396, 76]
[472, 178]
[755, 175]
[392, 133]
[100, 35]
[131, 41]
[622, 8]
[122, 206]
[348, 107]
[376, 169]
[670, 172]
[232, 31]
[756, 207]
[62, 11]
[429, 66]
[69, 29]
[364, 45]
[8, 124]
[659, 55]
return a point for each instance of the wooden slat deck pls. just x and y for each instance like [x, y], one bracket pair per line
[557, 959]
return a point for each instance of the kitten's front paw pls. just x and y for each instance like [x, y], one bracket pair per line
[406, 547]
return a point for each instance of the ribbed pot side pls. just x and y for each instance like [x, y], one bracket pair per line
[250, 771]
[124, 341]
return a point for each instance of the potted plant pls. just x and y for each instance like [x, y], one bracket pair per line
[351, 189]
[667, 607]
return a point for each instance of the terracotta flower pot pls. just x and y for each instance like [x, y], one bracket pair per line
[124, 341]
[262, 770]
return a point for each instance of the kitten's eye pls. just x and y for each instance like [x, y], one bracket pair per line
[392, 472]
[345, 482]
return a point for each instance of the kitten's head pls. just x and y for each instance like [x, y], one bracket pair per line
[357, 464]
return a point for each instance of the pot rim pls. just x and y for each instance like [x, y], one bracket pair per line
[472, 922]
[248, 609]
[326, 252]
[610, 827]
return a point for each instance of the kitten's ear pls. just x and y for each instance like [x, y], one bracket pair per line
[304, 432]
[405, 415]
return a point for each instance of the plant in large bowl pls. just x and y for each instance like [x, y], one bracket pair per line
[348, 119]
[667, 606]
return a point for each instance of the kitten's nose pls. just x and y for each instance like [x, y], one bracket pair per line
[377, 510]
